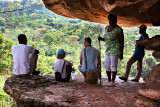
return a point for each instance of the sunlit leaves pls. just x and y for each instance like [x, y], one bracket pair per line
[11, 6]
[38, 3]
[1, 39]
[18, 5]
[5, 56]
[5, 99]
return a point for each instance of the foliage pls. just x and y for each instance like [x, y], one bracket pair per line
[54, 32]
[5, 100]
[11, 6]
[49, 32]
[5, 57]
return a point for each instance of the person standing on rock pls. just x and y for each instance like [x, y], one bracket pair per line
[89, 61]
[137, 56]
[23, 65]
[114, 42]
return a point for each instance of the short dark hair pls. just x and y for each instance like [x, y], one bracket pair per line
[88, 39]
[22, 38]
[112, 16]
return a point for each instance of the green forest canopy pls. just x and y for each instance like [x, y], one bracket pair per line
[49, 32]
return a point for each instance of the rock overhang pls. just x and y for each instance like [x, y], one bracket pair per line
[131, 13]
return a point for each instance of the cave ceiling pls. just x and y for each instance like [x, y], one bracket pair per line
[131, 13]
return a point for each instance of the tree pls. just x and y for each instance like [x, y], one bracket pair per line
[50, 38]
[6, 7]
[3, 30]
[5, 56]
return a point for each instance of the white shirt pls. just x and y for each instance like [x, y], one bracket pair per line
[59, 65]
[21, 61]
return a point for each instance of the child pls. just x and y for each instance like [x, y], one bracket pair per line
[62, 67]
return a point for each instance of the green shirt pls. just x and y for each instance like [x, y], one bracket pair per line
[112, 41]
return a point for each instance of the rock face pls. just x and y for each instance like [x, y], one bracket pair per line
[130, 12]
[44, 91]
[152, 80]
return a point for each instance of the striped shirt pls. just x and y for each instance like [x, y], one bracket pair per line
[91, 55]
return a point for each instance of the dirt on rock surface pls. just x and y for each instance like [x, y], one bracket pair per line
[44, 91]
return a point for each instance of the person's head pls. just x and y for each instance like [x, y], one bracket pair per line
[142, 29]
[87, 41]
[112, 19]
[22, 39]
[61, 54]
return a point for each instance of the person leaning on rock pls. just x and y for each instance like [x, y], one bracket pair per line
[137, 56]
[23, 65]
[89, 58]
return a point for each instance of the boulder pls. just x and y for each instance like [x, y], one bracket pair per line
[130, 13]
[44, 91]
[151, 93]
[152, 79]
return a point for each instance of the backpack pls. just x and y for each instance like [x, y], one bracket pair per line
[58, 75]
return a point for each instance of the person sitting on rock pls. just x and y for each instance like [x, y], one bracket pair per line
[89, 58]
[62, 67]
[23, 65]
[137, 56]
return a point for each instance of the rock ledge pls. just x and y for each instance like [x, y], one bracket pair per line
[44, 91]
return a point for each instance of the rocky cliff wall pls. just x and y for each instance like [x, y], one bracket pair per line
[152, 79]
